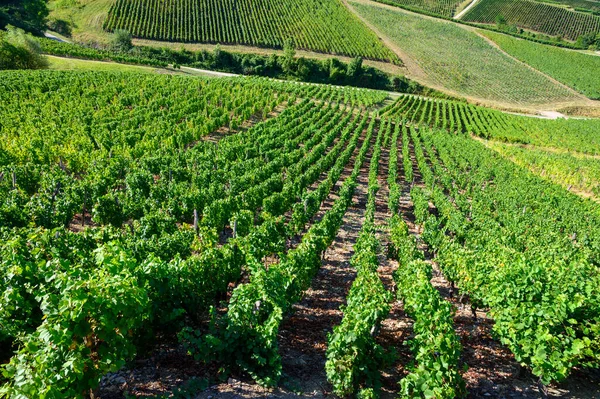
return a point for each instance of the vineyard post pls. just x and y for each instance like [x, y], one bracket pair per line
[196, 221]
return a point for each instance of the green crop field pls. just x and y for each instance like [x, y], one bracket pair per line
[459, 60]
[191, 209]
[566, 134]
[539, 17]
[579, 5]
[447, 8]
[579, 173]
[577, 70]
[318, 25]
[255, 222]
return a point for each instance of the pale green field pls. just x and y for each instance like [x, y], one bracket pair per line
[73, 64]
[575, 69]
[579, 173]
[459, 60]
[86, 16]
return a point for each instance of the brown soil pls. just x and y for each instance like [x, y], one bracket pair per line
[492, 370]
[397, 327]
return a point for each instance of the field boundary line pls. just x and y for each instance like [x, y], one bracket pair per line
[465, 10]
[497, 47]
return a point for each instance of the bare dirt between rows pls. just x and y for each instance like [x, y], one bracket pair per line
[492, 373]
[397, 327]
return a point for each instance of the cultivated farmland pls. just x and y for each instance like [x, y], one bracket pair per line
[135, 206]
[539, 17]
[566, 134]
[324, 26]
[447, 8]
[577, 70]
[457, 59]
[578, 172]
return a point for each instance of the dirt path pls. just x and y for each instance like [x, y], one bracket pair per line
[465, 10]
[397, 327]
[413, 68]
[303, 336]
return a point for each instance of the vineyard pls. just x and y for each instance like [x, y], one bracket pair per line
[579, 5]
[576, 172]
[447, 8]
[137, 206]
[539, 17]
[565, 134]
[574, 69]
[459, 60]
[323, 26]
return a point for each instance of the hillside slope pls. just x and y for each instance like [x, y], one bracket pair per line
[324, 26]
[458, 60]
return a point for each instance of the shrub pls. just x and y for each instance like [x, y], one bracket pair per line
[19, 50]
[121, 40]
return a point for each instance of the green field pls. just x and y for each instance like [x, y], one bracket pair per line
[580, 173]
[73, 64]
[275, 230]
[142, 211]
[577, 70]
[580, 5]
[447, 8]
[578, 135]
[459, 60]
[319, 25]
[548, 19]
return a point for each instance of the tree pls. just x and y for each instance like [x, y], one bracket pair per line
[121, 40]
[19, 50]
[29, 15]
[501, 21]
[355, 67]
[289, 53]
[590, 40]
[337, 71]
